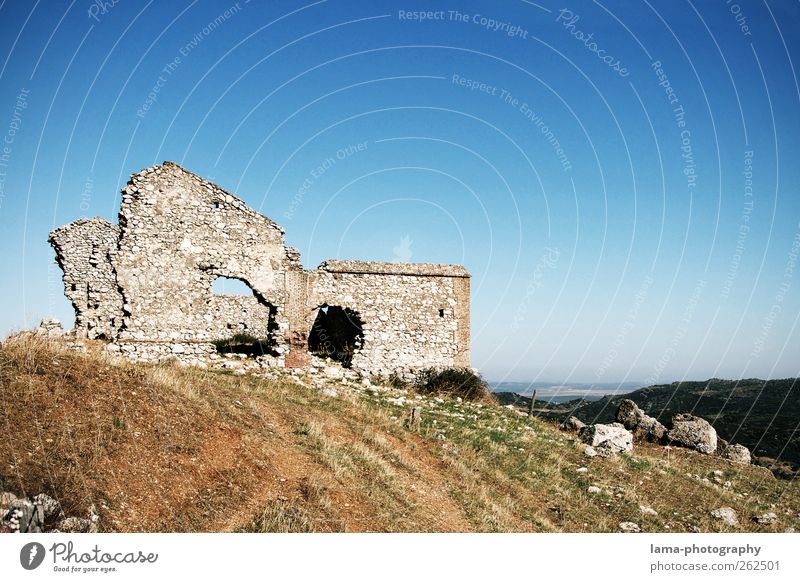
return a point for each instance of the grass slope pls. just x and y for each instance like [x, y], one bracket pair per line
[164, 448]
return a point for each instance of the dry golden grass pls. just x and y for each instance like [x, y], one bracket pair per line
[167, 448]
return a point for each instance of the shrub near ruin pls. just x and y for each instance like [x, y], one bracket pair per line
[454, 382]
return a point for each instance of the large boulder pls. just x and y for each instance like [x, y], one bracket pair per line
[734, 453]
[607, 438]
[629, 414]
[573, 424]
[693, 432]
[644, 428]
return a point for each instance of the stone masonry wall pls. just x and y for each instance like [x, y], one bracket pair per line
[179, 233]
[83, 250]
[414, 315]
[232, 314]
[147, 285]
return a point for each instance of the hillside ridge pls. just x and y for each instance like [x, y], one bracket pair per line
[169, 448]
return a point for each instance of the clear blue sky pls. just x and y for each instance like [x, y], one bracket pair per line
[612, 234]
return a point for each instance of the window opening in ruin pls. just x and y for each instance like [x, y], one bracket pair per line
[243, 340]
[229, 286]
[337, 333]
[215, 204]
[441, 313]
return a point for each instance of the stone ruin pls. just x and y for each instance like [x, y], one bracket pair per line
[146, 287]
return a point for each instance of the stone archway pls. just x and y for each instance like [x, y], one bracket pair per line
[337, 333]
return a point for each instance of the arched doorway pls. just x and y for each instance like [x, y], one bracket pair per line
[337, 333]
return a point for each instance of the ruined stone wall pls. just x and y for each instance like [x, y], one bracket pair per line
[83, 250]
[147, 285]
[178, 234]
[239, 314]
[414, 315]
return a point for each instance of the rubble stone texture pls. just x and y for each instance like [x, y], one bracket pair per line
[693, 432]
[734, 453]
[607, 438]
[146, 286]
[644, 427]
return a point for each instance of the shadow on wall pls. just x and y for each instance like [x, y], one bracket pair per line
[337, 333]
[249, 345]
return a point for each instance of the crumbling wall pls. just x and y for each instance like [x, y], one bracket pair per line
[83, 250]
[414, 315]
[238, 314]
[147, 285]
[178, 234]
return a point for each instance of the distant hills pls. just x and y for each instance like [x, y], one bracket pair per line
[763, 415]
[558, 393]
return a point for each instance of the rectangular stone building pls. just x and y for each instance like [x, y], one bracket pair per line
[146, 286]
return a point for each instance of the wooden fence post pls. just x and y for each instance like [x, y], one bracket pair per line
[533, 401]
[416, 418]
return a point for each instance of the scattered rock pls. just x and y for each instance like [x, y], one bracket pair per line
[629, 527]
[734, 453]
[6, 499]
[24, 517]
[581, 470]
[594, 489]
[573, 424]
[51, 508]
[727, 515]
[647, 510]
[607, 438]
[693, 432]
[36, 515]
[330, 393]
[50, 328]
[589, 451]
[645, 428]
[765, 518]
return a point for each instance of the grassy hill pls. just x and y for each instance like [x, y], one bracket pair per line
[763, 415]
[165, 448]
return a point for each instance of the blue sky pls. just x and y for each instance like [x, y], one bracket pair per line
[620, 178]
